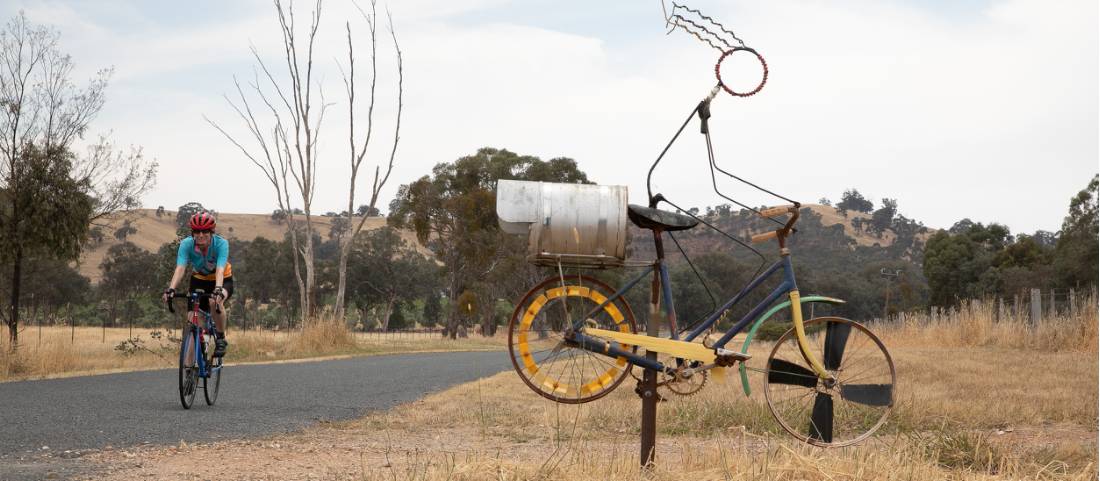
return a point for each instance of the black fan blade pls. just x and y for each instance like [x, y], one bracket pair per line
[821, 422]
[784, 372]
[869, 394]
[836, 339]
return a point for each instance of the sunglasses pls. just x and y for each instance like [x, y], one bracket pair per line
[195, 232]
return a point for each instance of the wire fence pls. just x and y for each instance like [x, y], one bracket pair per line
[1034, 306]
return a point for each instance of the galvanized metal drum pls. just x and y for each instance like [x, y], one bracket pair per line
[572, 224]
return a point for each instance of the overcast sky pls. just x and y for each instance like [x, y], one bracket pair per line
[974, 108]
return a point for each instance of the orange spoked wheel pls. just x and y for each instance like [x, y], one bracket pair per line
[545, 361]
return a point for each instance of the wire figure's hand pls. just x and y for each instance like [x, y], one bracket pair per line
[168, 294]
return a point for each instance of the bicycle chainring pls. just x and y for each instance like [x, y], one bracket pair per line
[682, 386]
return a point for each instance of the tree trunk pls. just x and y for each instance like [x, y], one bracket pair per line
[487, 320]
[16, 278]
[342, 272]
[452, 319]
[311, 285]
[295, 252]
[388, 311]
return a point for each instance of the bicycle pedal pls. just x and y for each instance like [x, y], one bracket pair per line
[725, 357]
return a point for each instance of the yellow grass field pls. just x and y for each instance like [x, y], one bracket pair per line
[62, 351]
[977, 400]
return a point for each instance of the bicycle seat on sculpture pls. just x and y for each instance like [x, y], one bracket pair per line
[657, 219]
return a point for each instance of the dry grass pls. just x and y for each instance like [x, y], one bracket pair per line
[62, 351]
[984, 323]
[935, 433]
[975, 402]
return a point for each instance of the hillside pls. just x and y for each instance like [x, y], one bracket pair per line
[743, 226]
[838, 255]
[830, 217]
[153, 231]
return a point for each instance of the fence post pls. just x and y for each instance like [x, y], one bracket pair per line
[1036, 306]
[1052, 312]
[1072, 303]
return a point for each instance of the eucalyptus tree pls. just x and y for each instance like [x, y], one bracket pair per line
[387, 272]
[51, 194]
[453, 212]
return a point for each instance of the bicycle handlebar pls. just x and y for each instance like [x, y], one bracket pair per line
[778, 210]
[781, 233]
[171, 307]
[758, 238]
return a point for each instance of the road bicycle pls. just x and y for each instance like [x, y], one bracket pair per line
[828, 381]
[198, 363]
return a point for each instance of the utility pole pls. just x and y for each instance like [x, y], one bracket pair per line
[889, 276]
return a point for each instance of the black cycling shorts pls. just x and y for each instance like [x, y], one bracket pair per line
[208, 287]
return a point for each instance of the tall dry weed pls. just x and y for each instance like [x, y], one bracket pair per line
[325, 333]
[989, 323]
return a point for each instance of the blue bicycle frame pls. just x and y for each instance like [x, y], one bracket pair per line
[197, 341]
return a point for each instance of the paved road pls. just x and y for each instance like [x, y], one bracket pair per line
[119, 410]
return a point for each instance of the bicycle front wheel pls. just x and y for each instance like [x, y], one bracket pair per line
[188, 371]
[545, 361]
[836, 412]
[213, 380]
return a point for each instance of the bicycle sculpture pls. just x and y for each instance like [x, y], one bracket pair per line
[828, 381]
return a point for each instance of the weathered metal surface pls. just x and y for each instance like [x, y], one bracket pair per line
[575, 224]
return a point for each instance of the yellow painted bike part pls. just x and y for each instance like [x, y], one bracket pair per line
[681, 349]
[542, 378]
[800, 332]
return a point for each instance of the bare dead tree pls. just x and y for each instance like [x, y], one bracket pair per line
[115, 178]
[358, 152]
[51, 194]
[286, 144]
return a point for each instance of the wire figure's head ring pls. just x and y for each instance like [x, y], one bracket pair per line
[718, 71]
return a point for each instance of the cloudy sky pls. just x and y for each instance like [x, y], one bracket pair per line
[984, 109]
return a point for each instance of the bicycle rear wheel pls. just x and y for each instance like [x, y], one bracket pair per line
[542, 357]
[188, 372]
[213, 380]
[831, 413]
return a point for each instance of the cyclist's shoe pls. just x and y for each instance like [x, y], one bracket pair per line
[219, 347]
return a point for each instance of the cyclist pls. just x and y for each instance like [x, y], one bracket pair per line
[208, 255]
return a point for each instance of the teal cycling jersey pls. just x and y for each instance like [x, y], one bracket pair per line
[205, 264]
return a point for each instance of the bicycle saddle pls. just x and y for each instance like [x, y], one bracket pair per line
[657, 219]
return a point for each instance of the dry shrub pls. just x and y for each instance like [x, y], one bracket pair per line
[325, 333]
[321, 335]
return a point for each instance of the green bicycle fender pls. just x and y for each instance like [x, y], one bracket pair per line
[756, 325]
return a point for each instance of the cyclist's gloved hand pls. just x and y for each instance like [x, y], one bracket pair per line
[168, 293]
[219, 293]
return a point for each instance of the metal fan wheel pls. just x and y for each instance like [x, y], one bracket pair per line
[831, 413]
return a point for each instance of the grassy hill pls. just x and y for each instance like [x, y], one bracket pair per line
[838, 255]
[823, 218]
[154, 231]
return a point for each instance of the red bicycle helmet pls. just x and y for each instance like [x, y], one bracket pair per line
[202, 221]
